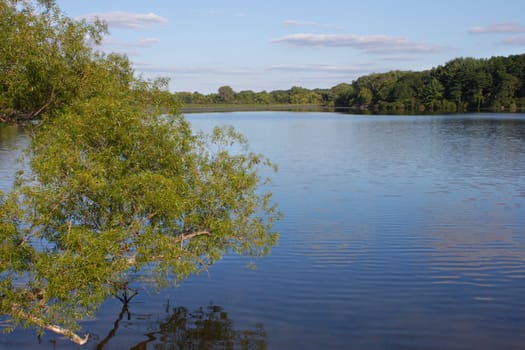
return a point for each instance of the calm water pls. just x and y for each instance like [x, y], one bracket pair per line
[399, 233]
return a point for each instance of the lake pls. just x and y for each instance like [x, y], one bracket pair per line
[399, 232]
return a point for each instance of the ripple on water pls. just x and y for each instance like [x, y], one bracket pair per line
[398, 233]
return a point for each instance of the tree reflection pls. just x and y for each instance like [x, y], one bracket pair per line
[205, 328]
[12, 140]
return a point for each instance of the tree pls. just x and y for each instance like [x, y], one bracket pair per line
[433, 93]
[43, 58]
[121, 187]
[299, 95]
[263, 97]
[226, 94]
[364, 96]
[475, 82]
[117, 192]
[450, 77]
[281, 96]
[246, 97]
[341, 94]
[505, 86]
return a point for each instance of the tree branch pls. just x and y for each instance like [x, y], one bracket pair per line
[50, 327]
[41, 109]
[182, 237]
[179, 239]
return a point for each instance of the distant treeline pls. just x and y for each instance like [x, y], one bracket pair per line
[461, 85]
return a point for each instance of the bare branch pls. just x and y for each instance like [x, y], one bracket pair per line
[184, 237]
[47, 104]
[51, 327]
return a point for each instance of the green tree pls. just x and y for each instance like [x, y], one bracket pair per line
[505, 86]
[246, 97]
[281, 96]
[433, 94]
[299, 95]
[43, 58]
[226, 94]
[199, 98]
[121, 187]
[116, 193]
[364, 96]
[476, 80]
[263, 97]
[184, 97]
[341, 94]
[450, 77]
[405, 91]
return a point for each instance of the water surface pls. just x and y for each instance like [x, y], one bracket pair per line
[399, 232]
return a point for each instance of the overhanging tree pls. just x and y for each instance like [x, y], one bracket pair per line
[117, 193]
[120, 187]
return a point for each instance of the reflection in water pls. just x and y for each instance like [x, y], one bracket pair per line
[179, 328]
[205, 328]
[398, 233]
[12, 141]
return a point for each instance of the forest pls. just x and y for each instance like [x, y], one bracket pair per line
[460, 85]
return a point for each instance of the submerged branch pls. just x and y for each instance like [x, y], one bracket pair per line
[51, 327]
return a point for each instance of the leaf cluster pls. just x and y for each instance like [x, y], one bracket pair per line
[120, 187]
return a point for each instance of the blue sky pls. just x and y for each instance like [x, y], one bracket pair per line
[276, 44]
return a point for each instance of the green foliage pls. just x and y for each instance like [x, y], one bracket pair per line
[432, 94]
[120, 186]
[117, 192]
[463, 84]
[365, 95]
[44, 58]
[226, 94]
[341, 94]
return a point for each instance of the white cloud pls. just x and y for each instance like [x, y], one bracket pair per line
[130, 48]
[127, 19]
[298, 23]
[247, 71]
[293, 22]
[502, 28]
[146, 67]
[321, 68]
[378, 44]
[399, 58]
[517, 40]
[146, 42]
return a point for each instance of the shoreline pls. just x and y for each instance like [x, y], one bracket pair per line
[189, 109]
